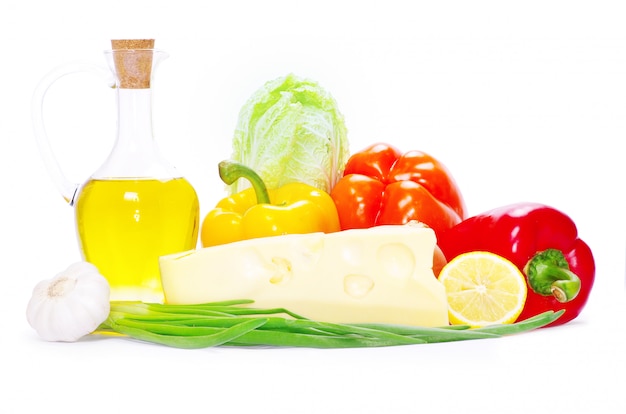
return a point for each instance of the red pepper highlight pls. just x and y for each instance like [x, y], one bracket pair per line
[382, 185]
[543, 243]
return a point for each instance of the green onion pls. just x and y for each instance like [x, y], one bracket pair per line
[233, 323]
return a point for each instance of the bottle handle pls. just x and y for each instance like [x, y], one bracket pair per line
[67, 189]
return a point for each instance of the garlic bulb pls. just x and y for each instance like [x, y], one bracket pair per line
[70, 305]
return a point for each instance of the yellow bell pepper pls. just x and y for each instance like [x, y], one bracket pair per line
[294, 208]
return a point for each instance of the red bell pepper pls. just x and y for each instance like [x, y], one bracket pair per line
[543, 243]
[381, 185]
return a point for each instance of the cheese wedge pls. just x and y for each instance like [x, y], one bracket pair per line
[382, 274]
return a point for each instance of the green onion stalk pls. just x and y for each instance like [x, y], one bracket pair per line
[235, 323]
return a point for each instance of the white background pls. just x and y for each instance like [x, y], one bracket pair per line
[523, 101]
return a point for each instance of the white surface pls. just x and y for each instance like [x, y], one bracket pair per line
[521, 102]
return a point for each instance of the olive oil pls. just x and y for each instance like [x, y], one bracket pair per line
[124, 225]
[136, 206]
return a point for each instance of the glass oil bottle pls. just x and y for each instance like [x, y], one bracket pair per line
[136, 207]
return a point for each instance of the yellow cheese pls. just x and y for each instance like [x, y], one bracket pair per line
[382, 274]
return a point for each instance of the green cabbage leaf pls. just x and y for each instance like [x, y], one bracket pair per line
[290, 130]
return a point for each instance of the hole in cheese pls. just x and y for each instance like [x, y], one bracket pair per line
[357, 286]
[282, 270]
[396, 260]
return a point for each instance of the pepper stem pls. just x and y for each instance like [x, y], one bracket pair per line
[549, 275]
[231, 171]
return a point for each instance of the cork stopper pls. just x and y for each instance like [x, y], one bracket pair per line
[133, 62]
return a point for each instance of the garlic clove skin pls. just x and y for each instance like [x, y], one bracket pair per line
[70, 305]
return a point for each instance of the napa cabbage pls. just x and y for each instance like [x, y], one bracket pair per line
[291, 130]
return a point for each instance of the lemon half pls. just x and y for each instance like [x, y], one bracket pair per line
[482, 289]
